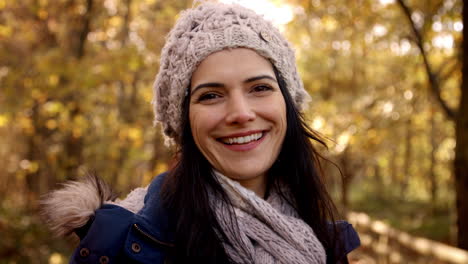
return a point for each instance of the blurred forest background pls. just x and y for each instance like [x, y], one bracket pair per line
[385, 77]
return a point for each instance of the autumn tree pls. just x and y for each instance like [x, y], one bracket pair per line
[459, 116]
[371, 93]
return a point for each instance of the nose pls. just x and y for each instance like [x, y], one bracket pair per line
[239, 110]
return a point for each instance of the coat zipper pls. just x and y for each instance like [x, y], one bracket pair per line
[152, 238]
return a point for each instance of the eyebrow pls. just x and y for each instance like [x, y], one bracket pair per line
[220, 85]
[256, 78]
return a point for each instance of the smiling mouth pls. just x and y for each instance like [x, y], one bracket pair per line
[242, 140]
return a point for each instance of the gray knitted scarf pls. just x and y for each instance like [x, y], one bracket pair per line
[270, 230]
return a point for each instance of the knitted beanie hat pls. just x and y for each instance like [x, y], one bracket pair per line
[203, 30]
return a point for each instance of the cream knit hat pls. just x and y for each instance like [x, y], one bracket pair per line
[208, 28]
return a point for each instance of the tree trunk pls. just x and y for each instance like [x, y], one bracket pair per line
[73, 144]
[461, 121]
[32, 178]
[79, 27]
[461, 148]
[432, 173]
[432, 77]
[407, 162]
[379, 181]
[73, 147]
[394, 165]
[126, 25]
[346, 177]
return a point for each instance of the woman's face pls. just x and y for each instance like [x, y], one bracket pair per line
[238, 115]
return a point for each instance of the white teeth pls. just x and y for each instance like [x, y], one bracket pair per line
[243, 140]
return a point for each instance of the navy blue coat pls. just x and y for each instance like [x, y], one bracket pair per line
[116, 235]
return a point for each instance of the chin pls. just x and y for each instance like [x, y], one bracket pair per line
[244, 174]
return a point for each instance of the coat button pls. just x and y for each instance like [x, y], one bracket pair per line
[84, 252]
[136, 247]
[104, 260]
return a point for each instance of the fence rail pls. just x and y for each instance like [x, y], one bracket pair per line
[390, 245]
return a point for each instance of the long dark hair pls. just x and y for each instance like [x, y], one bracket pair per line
[187, 188]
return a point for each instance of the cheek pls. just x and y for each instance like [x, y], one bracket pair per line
[278, 114]
[284, 121]
[283, 128]
[201, 123]
[195, 126]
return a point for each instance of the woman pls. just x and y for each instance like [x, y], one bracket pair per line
[246, 187]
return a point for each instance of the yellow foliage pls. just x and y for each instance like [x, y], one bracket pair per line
[53, 107]
[115, 21]
[2, 4]
[80, 123]
[30, 166]
[53, 79]
[5, 31]
[371, 134]
[147, 177]
[147, 95]
[329, 23]
[134, 133]
[51, 124]
[114, 154]
[4, 120]
[71, 105]
[26, 125]
[28, 82]
[133, 65]
[77, 133]
[160, 168]
[42, 14]
[446, 152]
[36, 93]
[344, 138]
[122, 134]
[56, 258]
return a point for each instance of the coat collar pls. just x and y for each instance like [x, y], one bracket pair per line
[153, 217]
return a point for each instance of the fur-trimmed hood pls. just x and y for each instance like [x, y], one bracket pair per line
[72, 206]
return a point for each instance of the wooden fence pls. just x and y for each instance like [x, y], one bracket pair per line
[389, 246]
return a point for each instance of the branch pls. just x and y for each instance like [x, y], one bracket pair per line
[85, 28]
[433, 78]
[449, 67]
[124, 31]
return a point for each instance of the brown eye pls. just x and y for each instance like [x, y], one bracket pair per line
[208, 97]
[262, 88]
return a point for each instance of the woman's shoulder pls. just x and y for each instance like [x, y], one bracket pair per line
[109, 229]
[137, 199]
[75, 203]
[347, 236]
[155, 186]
